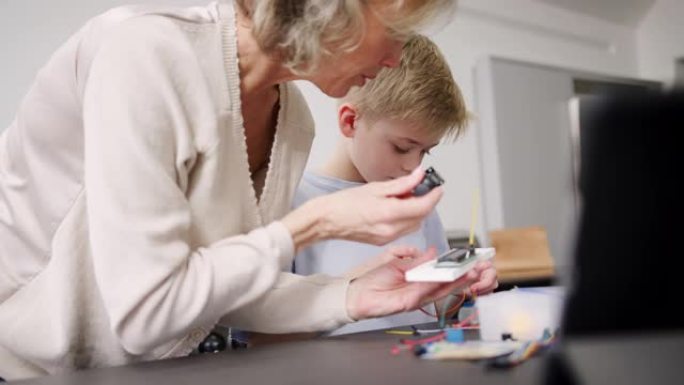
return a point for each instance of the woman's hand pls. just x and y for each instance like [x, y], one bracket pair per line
[389, 255]
[384, 291]
[375, 213]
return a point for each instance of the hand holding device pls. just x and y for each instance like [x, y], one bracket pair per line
[431, 179]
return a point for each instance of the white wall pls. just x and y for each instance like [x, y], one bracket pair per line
[660, 40]
[525, 30]
[30, 30]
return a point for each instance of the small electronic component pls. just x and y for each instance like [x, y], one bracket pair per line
[464, 350]
[456, 257]
[431, 179]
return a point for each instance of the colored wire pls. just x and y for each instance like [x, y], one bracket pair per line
[405, 344]
[400, 332]
[465, 321]
[425, 340]
[473, 216]
[445, 306]
[443, 316]
[527, 350]
[451, 310]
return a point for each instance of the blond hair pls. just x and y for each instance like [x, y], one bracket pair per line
[303, 31]
[421, 90]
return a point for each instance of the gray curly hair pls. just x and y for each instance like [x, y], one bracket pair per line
[302, 31]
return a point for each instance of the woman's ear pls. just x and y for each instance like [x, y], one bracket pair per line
[347, 119]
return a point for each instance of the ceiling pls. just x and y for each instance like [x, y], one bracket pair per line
[625, 12]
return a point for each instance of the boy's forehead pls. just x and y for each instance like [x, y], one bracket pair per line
[409, 131]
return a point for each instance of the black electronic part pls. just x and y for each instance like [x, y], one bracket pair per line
[471, 251]
[431, 179]
[454, 257]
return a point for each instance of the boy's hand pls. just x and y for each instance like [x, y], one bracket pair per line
[486, 281]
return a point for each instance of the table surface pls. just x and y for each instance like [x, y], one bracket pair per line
[365, 359]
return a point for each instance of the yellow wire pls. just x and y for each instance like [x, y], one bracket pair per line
[399, 332]
[473, 215]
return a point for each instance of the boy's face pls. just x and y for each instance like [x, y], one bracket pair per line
[388, 148]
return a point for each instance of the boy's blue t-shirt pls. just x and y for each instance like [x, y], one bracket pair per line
[336, 257]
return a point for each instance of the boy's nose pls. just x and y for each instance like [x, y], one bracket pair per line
[410, 165]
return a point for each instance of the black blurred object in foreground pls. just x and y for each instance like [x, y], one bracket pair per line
[629, 253]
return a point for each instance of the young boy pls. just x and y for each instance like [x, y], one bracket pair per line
[387, 126]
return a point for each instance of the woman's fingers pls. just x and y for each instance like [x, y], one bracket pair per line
[419, 259]
[388, 256]
[376, 218]
[401, 186]
[487, 279]
[486, 283]
[403, 252]
[483, 265]
[441, 290]
[418, 207]
[379, 216]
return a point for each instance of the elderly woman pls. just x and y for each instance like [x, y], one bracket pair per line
[146, 180]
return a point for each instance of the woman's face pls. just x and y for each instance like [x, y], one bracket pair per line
[336, 74]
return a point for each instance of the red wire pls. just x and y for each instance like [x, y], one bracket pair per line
[420, 341]
[437, 337]
[465, 321]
